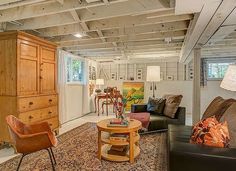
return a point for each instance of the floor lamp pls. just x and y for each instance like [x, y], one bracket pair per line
[229, 80]
[153, 76]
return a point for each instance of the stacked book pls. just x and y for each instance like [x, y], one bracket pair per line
[118, 150]
[118, 123]
[119, 137]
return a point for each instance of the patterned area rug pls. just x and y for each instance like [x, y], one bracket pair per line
[77, 151]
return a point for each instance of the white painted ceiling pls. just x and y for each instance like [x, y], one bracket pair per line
[127, 29]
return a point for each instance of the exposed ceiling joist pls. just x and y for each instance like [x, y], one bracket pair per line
[130, 21]
[150, 28]
[24, 12]
[43, 22]
[77, 18]
[60, 1]
[197, 28]
[121, 9]
[127, 38]
[101, 36]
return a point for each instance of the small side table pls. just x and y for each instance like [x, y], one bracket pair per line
[104, 143]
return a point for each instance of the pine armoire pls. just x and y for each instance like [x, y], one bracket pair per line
[28, 80]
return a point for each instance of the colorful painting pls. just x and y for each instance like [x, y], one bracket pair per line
[133, 93]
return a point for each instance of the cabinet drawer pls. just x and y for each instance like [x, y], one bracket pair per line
[32, 103]
[53, 122]
[38, 115]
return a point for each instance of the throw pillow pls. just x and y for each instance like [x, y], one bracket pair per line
[172, 104]
[211, 133]
[156, 106]
[217, 107]
[230, 117]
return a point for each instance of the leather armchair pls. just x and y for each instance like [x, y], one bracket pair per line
[31, 138]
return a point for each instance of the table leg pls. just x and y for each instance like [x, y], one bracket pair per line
[99, 145]
[98, 106]
[131, 147]
[95, 103]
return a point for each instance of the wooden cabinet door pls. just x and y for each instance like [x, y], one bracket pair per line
[48, 71]
[28, 68]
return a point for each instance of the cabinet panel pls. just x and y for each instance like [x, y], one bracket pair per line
[28, 50]
[28, 68]
[48, 78]
[48, 54]
[28, 77]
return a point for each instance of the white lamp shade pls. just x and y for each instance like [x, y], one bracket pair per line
[99, 81]
[229, 81]
[153, 73]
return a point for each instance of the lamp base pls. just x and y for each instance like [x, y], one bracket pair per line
[98, 90]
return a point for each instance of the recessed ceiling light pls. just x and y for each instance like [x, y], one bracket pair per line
[78, 35]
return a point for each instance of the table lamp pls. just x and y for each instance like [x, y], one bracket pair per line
[153, 75]
[99, 82]
[229, 80]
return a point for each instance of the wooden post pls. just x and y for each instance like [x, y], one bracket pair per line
[196, 109]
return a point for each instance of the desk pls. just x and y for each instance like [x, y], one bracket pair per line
[102, 96]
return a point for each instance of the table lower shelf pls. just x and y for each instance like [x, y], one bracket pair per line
[117, 158]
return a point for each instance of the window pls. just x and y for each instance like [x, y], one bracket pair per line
[216, 69]
[75, 70]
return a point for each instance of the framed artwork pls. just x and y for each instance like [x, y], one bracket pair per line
[113, 76]
[170, 77]
[133, 93]
[139, 74]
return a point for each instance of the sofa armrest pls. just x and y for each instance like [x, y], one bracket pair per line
[181, 115]
[136, 108]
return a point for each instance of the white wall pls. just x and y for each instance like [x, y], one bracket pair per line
[165, 87]
[74, 99]
[211, 91]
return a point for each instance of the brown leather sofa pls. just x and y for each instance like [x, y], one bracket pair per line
[184, 156]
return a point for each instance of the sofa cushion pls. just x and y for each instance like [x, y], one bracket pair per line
[211, 133]
[157, 123]
[156, 105]
[230, 117]
[217, 107]
[172, 104]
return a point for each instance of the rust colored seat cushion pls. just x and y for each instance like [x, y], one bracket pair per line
[172, 104]
[210, 132]
[217, 107]
[230, 117]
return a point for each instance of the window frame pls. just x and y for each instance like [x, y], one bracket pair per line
[71, 82]
[220, 60]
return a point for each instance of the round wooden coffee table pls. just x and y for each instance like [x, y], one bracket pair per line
[104, 143]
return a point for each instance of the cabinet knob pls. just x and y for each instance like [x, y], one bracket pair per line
[50, 100]
[31, 103]
[41, 77]
[49, 112]
[30, 117]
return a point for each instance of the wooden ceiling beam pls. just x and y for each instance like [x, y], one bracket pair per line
[126, 38]
[44, 22]
[129, 7]
[24, 12]
[129, 21]
[150, 28]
